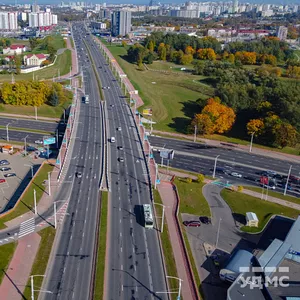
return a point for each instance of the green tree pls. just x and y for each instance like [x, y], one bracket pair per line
[53, 99]
[285, 135]
[200, 178]
[18, 63]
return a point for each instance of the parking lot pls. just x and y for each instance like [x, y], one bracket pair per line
[12, 187]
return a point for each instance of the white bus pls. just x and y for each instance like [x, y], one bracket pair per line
[148, 216]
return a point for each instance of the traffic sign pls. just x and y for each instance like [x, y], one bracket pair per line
[49, 140]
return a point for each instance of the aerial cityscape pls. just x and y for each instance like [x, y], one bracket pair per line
[149, 150]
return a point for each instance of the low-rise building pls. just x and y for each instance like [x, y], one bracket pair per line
[34, 59]
[14, 49]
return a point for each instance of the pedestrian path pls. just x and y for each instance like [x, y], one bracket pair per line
[27, 227]
[17, 274]
[169, 200]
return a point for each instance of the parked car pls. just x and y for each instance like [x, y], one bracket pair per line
[235, 174]
[205, 220]
[192, 223]
[10, 175]
[2, 180]
[38, 142]
[4, 162]
[3, 169]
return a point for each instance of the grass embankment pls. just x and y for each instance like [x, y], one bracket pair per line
[6, 254]
[101, 252]
[192, 200]
[41, 261]
[241, 203]
[72, 43]
[274, 194]
[26, 130]
[167, 246]
[62, 66]
[26, 202]
[42, 111]
[172, 96]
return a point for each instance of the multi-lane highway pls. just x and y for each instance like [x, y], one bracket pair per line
[230, 155]
[70, 274]
[135, 269]
[32, 124]
[18, 136]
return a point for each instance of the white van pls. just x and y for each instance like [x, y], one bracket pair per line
[112, 139]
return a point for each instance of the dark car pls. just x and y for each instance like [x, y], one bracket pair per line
[10, 175]
[78, 174]
[4, 162]
[205, 220]
[120, 147]
[4, 169]
[251, 178]
[121, 159]
[192, 223]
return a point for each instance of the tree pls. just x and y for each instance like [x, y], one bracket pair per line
[207, 53]
[186, 59]
[285, 135]
[151, 46]
[18, 63]
[162, 52]
[293, 71]
[256, 126]
[189, 50]
[240, 188]
[222, 116]
[124, 44]
[203, 123]
[189, 180]
[231, 58]
[53, 100]
[33, 42]
[198, 68]
[200, 178]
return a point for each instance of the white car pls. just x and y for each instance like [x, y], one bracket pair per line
[235, 174]
[119, 128]
[112, 139]
[38, 142]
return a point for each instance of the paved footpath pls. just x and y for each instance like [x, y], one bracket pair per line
[169, 199]
[18, 272]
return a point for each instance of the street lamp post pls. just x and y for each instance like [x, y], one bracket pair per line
[162, 218]
[32, 287]
[55, 212]
[195, 133]
[287, 180]
[25, 146]
[215, 166]
[49, 183]
[156, 174]
[34, 199]
[251, 142]
[172, 292]
[7, 135]
[218, 233]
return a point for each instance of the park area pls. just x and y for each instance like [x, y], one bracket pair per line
[172, 94]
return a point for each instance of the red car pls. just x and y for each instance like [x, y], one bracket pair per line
[192, 223]
[2, 180]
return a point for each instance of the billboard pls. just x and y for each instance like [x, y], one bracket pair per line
[147, 112]
[167, 154]
[49, 140]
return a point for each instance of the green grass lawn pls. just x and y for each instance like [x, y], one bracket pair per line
[241, 203]
[274, 194]
[72, 43]
[6, 254]
[26, 202]
[192, 200]
[41, 261]
[166, 245]
[100, 268]
[63, 63]
[172, 96]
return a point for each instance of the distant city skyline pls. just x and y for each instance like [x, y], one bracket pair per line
[144, 2]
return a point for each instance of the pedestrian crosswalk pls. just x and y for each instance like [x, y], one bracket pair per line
[27, 227]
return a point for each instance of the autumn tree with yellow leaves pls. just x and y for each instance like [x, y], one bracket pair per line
[214, 118]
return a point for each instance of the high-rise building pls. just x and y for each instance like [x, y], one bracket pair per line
[35, 8]
[282, 33]
[8, 21]
[235, 6]
[54, 19]
[33, 20]
[121, 23]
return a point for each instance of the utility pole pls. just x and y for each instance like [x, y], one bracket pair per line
[215, 166]
[195, 133]
[34, 199]
[287, 180]
[251, 142]
[25, 146]
[7, 135]
[49, 183]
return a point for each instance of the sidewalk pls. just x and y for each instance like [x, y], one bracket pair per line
[169, 199]
[19, 269]
[244, 148]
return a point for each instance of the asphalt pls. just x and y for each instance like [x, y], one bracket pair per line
[205, 165]
[230, 155]
[71, 272]
[31, 124]
[135, 261]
